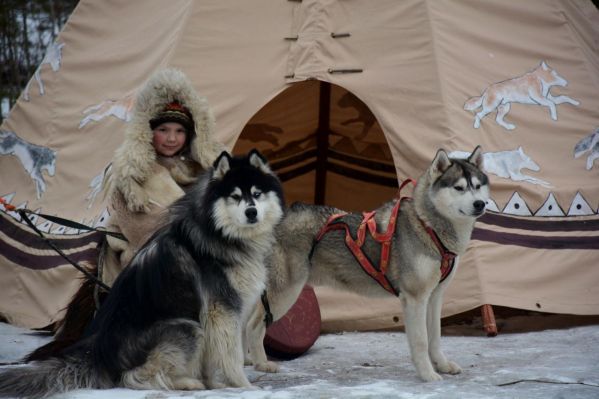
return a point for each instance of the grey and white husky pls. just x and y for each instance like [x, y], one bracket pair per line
[448, 198]
[174, 317]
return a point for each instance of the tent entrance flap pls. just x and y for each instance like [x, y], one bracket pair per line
[326, 146]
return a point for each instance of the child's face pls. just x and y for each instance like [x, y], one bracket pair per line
[169, 138]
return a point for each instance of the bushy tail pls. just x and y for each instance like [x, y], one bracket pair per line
[473, 103]
[48, 377]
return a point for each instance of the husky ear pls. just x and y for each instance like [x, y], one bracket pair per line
[476, 158]
[221, 165]
[544, 65]
[440, 164]
[257, 160]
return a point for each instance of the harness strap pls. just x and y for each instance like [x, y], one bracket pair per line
[355, 246]
[447, 257]
[268, 317]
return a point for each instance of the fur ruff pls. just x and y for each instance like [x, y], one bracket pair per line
[134, 159]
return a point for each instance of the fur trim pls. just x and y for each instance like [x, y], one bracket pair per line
[133, 160]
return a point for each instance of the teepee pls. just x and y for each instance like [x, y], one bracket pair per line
[346, 99]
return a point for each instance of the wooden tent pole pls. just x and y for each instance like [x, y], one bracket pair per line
[489, 324]
[322, 142]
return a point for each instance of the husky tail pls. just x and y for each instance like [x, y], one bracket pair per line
[52, 376]
[473, 103]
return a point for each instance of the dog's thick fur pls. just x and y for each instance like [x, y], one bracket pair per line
[174, 316]
[449, 197]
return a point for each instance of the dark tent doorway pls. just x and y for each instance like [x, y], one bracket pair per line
[325, 145]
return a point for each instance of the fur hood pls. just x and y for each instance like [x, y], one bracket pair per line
[135, 159]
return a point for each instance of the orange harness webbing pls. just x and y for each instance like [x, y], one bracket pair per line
[385, 239]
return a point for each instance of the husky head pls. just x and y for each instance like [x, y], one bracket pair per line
[549, 76]
[459, 189]
[246, 196]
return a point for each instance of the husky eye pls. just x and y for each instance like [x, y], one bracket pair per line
[257, 194]
[477, 186]
[236, 197]
[458, 188]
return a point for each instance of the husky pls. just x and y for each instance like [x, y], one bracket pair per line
[174, 317]
[531, 88]
[447, 199]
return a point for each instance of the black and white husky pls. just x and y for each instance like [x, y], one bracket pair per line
[174, 316]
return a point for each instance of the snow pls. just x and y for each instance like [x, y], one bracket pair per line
[558, 363]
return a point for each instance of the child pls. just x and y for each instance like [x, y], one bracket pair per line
[168, 142]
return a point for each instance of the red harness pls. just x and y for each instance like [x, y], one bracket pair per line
[385, 239]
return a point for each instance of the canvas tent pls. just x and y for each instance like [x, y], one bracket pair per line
[346, 98]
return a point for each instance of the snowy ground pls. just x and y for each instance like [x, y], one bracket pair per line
[555, 363]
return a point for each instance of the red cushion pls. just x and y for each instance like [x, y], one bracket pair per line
[294, 333]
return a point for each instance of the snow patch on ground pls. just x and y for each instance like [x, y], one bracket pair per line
[546, 364]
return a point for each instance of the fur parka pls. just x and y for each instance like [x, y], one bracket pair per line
[142, 183]
[135, 159]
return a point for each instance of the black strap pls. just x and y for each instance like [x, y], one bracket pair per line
[268, 318]
[74, 225]
[23, 214]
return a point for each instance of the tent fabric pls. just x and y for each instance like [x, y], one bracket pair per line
[366, 91]
[35, 279]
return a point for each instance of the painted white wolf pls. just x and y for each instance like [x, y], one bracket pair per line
[508, 164]
[121, 109]
[530, 88]
[53, 57]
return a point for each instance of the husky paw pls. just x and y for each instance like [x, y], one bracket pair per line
[449, 368]
[267, 367]
[431, 376]
[188, 384]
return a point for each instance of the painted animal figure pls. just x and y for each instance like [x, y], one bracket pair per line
[121, 109]
[97, 184]
[531, 88]
[448, 198]
[53, 57]
[35, 158]
[588, 144]
[508, 164]
[174, 316]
